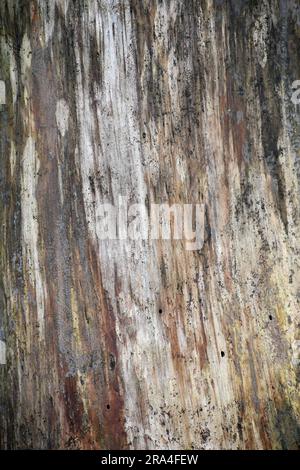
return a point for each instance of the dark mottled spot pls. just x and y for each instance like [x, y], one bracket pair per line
[205, 434]
[92, 184]
[160, 310]
[112, 361]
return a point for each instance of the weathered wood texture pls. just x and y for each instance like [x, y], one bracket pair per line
[118, 344]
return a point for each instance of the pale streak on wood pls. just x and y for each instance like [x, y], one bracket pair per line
[2, 93]
[30, 229]
[2, 353]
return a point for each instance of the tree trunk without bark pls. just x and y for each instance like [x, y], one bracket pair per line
[141, 343]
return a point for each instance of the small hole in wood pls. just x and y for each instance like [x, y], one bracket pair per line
[222, 354]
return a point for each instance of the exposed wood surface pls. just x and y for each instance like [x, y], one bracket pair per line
[144, 344]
